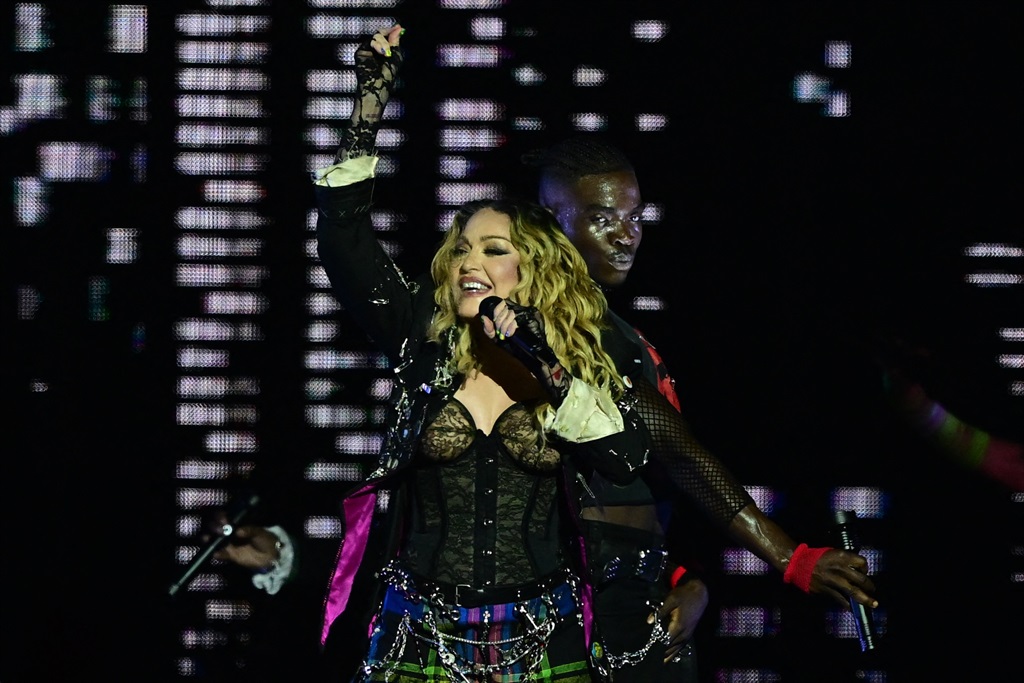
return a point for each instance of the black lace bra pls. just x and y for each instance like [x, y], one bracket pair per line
[454, 429]
[484, 507]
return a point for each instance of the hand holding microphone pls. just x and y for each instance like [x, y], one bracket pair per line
[862, 617]
[529, 345]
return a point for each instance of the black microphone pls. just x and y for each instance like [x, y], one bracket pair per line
[226, 532]
[861, 614]
[524, 340]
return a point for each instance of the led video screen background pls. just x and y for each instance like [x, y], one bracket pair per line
[816, 177]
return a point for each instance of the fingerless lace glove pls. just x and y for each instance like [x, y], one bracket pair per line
[538, 357]
[376, 79]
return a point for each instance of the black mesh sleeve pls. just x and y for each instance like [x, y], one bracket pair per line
[680, 465]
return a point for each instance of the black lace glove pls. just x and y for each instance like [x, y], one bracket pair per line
[529, 345]
[376, 79]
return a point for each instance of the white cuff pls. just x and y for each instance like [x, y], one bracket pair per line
[347, 172]
[586, 414]
[272, 580]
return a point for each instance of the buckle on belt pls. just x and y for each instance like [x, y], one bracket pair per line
[459, 587]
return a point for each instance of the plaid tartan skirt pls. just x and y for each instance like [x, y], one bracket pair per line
[416, 640]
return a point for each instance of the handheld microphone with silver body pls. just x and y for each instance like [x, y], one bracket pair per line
[861, 614]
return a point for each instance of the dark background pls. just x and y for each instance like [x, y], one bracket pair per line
[790, 242]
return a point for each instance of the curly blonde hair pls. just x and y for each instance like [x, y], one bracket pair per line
[553, 278]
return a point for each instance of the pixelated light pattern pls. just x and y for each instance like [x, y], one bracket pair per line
[221, 610]
[192, 498]
[221, 24]
[649, 30]
[338, 416]
[589, 121]
[336, 27]
[994, 279]
[841, 623]
[464, 138]
[321, 331]
[380, 388]
[466, 109]
[359, 443]
[30, 32]
[354, 4]
[749, 621]
[29, 300]
[199, 329]
[812, 87]
[742, 562]
[127, 29]
[454, 167]
[321, 304]
[334, 471]
[221, 78]
[331, 80]
[233, 191]
[205, 247]
[213, 163]
[589, 76]
[838, 54]
[741, 675]
[203, 639]
[219, 135]
[321, 388]
[218, 275]
[994, 250]
[339, 359]
[453, 194]
[230, 441]
[650, 122]
[528, 74]
[472, 4]
[37, 97]
[867, 501]
[487, 28]
[648, 303]
[217, 218]
[218, 52]
[323, 527]
[215, 414]
[74, 161]
[765, 496]
[470, 56]
[234, 303]
[528, 123]
[204, 469]
[219, 106]
[99, 291]
[122, 245]
[31, 201]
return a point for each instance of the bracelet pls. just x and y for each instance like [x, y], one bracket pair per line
[801, 566]
[676, 576]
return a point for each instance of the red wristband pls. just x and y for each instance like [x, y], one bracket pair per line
[676, 576]
[801, 566]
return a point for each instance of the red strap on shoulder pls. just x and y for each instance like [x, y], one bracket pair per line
[666, 386]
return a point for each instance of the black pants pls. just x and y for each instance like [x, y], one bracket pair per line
[622, 613]
[622, 606]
